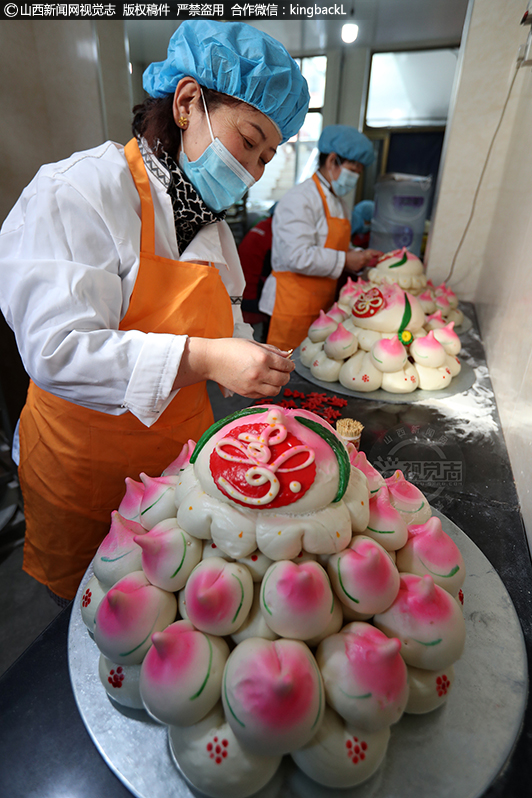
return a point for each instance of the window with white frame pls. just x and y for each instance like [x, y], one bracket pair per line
[411, 89]
[297, 159]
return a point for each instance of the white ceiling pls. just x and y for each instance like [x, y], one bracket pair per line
[383, 24]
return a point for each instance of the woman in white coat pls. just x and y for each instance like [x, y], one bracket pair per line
[311, 238]
[122, 284]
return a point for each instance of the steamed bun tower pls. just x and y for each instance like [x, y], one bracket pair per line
[278, 545]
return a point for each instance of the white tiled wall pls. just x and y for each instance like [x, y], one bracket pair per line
[61, 92]
[494, 265]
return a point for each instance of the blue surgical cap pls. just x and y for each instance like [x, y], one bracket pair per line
[362, 213]
[346, 142]
[365, 208]
[236, 59]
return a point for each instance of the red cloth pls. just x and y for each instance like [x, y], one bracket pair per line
[360, 240]
[255, 257]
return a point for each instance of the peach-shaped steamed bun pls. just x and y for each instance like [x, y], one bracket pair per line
[272, 695]
[297, 599]
[427, 302]
[386, 525]
[340, 755]
[214, 761]
[408, 500]
[336, 313]
[375, 479]
[320, 329]
[430, 550]
[340, 344]
[435, 320]
[129, 507]
[169, 554]
[448, 338]
[427, 620]
[363, 576]
[181, 676]
[128, 615]
[218, 596]
[388, 354]
[443, 290]
[364, 675]
[181, 461]
[118, 554]
[158, 499]
[427, 351]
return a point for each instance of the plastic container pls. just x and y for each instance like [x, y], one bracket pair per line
[401, 209]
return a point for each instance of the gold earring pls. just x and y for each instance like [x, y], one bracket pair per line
[182, 122]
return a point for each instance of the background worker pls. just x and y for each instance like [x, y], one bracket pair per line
[361, 223]
[311, 238]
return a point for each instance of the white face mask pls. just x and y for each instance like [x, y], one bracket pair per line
[345, 182]
[217, 176]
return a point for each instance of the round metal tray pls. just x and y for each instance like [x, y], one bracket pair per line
[463, 382]
[464, 327]
[456, 750]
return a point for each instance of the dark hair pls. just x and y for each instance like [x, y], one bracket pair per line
[154, 119]
[324, 155]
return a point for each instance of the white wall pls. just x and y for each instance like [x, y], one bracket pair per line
[64, 88]
[494, 265]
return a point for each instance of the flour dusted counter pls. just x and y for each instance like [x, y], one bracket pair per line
[453, 450]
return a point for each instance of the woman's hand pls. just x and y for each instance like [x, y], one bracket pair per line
[245, 367]
[358, 259]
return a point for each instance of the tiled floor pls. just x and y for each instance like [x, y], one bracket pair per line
[26, 609]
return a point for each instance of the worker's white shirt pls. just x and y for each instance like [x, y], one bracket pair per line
[69, 257]
[299, 233]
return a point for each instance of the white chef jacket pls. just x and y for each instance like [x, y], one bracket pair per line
[299, 233]
[69, 257]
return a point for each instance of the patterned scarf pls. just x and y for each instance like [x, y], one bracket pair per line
[190, 212]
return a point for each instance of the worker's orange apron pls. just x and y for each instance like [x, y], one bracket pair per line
[74, 460]
[300, 297]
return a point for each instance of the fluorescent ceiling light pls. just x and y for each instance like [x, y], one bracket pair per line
[349, 32]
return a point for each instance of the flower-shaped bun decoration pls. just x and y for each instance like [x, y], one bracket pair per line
[406, 337]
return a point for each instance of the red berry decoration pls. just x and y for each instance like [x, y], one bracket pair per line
[217, 750]
[116, 677]
[86, 600]
[356, 751]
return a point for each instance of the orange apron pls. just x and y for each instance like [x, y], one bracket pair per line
[300, 297]
[74, 460]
